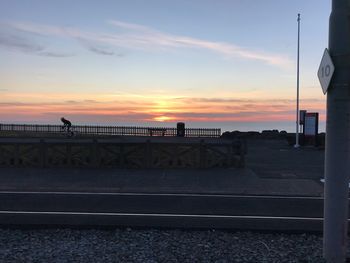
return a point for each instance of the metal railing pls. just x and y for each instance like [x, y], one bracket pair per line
[111, 130]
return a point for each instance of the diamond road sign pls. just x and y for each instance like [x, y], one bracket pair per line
[325, 71]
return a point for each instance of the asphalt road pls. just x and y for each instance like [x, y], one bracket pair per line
[274, 158]
[278, 190]
[167, 210]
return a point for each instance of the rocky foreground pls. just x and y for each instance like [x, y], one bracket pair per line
[152, 245]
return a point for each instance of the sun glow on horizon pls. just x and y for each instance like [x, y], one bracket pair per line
[109, 108]
[152, 106]
[163, 118]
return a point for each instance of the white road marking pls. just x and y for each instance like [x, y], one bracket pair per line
[157, 215]
[162, 194]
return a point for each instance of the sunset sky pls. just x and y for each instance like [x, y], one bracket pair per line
[229, 64]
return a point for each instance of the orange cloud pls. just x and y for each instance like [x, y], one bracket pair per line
[104, 109]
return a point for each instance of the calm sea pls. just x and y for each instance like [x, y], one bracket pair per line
[224, 126]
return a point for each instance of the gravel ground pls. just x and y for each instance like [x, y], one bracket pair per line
[152, 245]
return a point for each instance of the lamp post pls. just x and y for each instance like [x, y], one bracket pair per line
[297, 119]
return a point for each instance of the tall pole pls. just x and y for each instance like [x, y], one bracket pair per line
[297, 119]
[337, 161]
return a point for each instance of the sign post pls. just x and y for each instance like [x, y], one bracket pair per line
[337, 161]
[325, 71]
[302, 114]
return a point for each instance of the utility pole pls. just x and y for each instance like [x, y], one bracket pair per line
[337, 162]
[297, 119]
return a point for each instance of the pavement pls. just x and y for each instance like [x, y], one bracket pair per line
[272, 168]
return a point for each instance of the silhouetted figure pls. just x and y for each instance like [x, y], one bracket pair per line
[66, 124]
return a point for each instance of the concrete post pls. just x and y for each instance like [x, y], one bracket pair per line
[337, 162]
